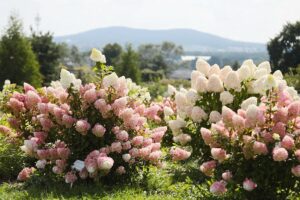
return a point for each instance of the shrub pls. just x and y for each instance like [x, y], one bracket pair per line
[93, 130]
[211, 89]
[256, 148]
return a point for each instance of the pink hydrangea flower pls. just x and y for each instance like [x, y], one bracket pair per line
[280, 154]
[297, 154]
[27, 87]
[116, 147]
[218, 154]
[32, 99]
[63, 153]
[226, 176]
[179, 154]
[294, 109]
[218, 188]
[126, 145]
[155, 155]
[105, 163]
[122, 135]
[288, 142]
[16, 105]
[144, 152]
[91, 165]
[5, 130]
[155, 146]
[238, 122]
[25, 173]
[70, 177]
[279, 128]
[296, 170]
[260, 148]
[147, 142]
[90, 95]
[137, 140]
[249, 185]
[82, 126]
[68, 121]
[120, 170]
[98, 130]
[208, 167]
[206, 135]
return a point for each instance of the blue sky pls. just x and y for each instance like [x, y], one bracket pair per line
[255, 20]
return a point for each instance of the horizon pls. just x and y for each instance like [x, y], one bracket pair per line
[255, 21]
[85, 31]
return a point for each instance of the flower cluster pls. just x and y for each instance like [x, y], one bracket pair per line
[90, 130]
[211, 89]
[258, 145]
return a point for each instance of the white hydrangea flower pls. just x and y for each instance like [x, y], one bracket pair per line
[251, 112]
[192, 96]
[180, 99]
[250, 101]
[244, 72]
[265, 65]
[171, 90]
[215, 69]
[260, 73]
[40, 164]
[97, 56]
[55, 84]
[201, 84]
[111, 80]
[168, 111]
[176, 125]
[198, 114]
[202, 66]
[214, 84]
[278, 74]
[292, 92]
[224, 72]
[183, 90]
[214, 116]
[67, 78]
[270, 82]
[252, 67]
[226, 98]
[232, 81]
[194, 77]
[183, 138]
[7, 82]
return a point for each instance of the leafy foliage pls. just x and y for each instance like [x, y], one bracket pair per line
[17, 60]
[284, 49]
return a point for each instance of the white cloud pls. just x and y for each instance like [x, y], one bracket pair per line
[256, 20]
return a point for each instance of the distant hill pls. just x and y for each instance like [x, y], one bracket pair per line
[191, 40]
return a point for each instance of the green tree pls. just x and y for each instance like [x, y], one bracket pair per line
[130, 65]
[160, 57]
[17, 60]
[113, 54]
[47, 53]
[284, 49]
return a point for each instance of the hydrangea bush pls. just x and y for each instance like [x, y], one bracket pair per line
[211, 89]
[257, 148]
[85, 131]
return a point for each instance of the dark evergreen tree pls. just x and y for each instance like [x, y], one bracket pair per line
[129, 65]
[284, 49]
[18, 62]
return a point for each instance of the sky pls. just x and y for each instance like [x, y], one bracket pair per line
[244, 20]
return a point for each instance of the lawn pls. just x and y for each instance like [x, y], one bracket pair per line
[84, 191]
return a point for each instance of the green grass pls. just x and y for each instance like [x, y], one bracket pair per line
[83, 191]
